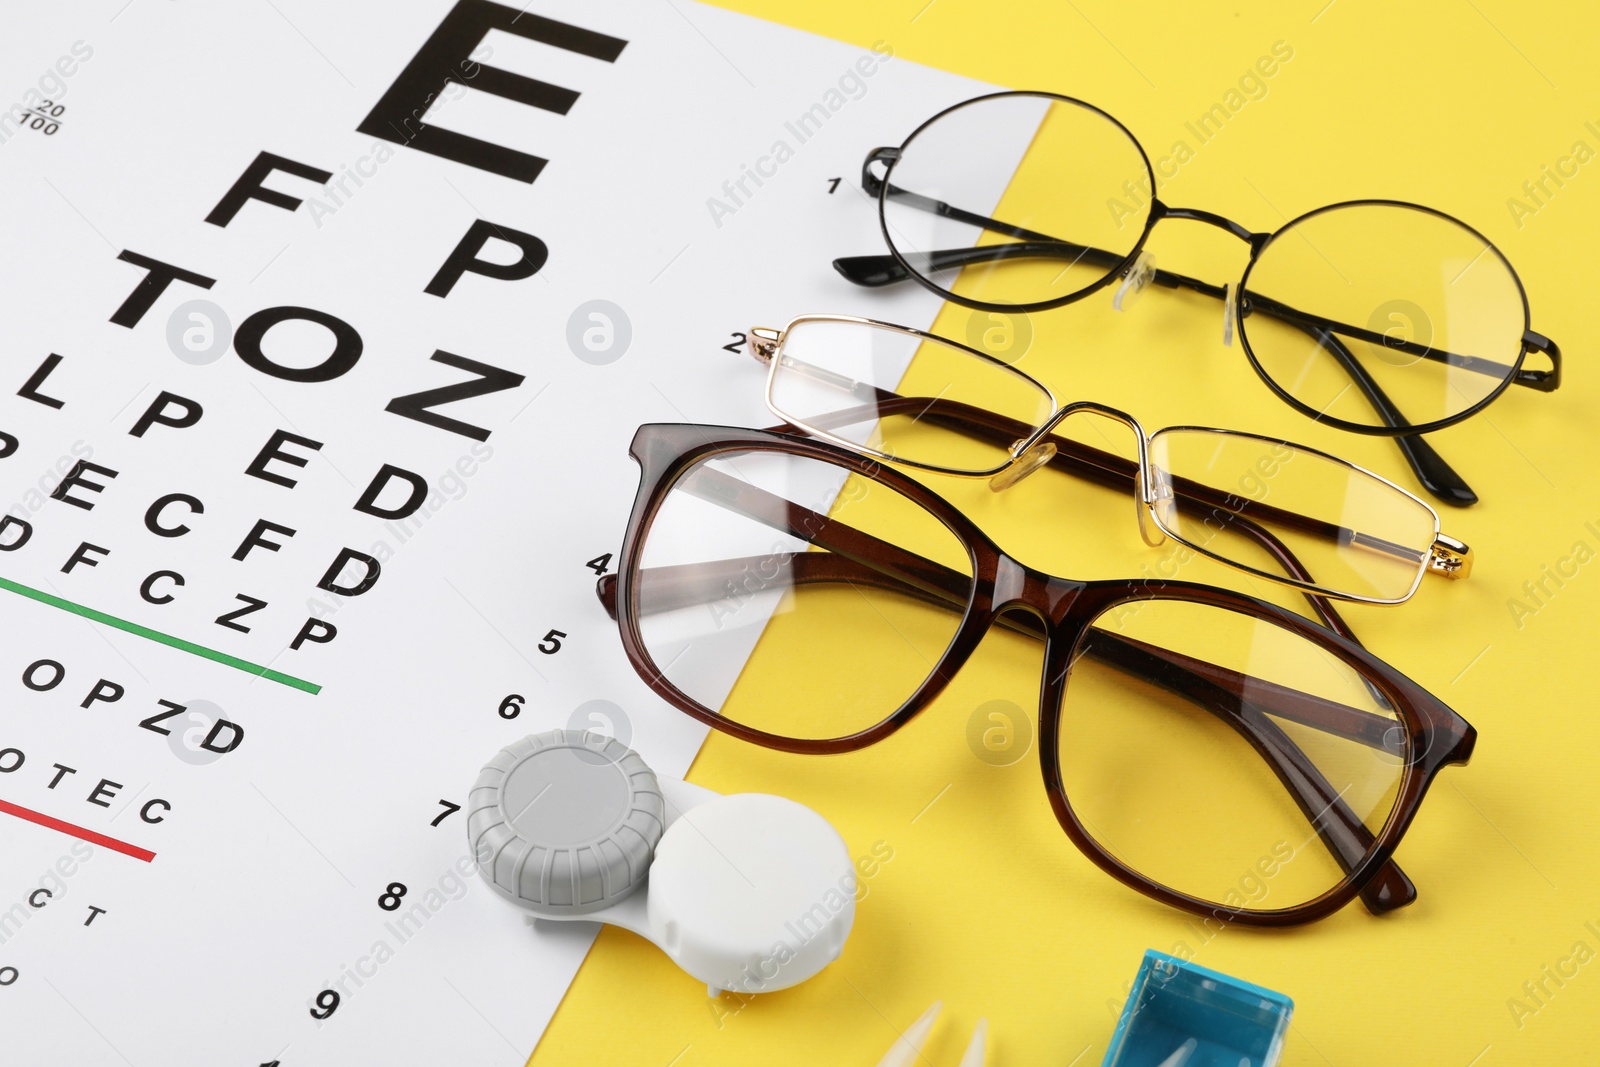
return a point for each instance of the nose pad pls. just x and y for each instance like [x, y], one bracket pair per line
[1153, 534]
[1025, 465]
[1134, 281]
[1230, 314]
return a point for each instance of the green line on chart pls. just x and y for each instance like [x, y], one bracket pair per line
[166, 639]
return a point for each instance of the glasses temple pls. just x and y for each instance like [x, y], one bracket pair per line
[993, 428]
[857, 558]
[1436, 475]
[1113, 471]
[1220, 691]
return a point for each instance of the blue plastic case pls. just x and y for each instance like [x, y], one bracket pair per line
[1232, 1023]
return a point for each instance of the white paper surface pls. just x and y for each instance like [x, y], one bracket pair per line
[269, 865]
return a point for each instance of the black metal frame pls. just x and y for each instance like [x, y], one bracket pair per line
[1430, 468]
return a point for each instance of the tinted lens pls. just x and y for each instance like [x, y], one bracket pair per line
[1246, 499]
[901, 396]
[1179, 733]
[837, 592]
[1424, 314]
[1017, 199]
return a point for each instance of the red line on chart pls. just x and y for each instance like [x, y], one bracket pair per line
[81, 832]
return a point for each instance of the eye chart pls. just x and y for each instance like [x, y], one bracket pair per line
[326, 327]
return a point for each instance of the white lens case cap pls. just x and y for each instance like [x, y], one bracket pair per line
[749, 892]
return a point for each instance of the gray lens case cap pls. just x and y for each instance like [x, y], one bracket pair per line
[749, 892]
[565, 822]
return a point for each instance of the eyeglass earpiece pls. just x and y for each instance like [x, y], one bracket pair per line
[748, 892]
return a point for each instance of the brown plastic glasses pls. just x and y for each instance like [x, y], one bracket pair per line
[1215, 752]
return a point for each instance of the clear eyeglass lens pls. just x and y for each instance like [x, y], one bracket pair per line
[794, 596]
[1018, 199]
[1359, 308]
[901, 396]
[1198, 792]
[1248, 500]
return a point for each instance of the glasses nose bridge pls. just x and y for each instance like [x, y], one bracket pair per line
[1145, 480]
[1211, 218]
[1114, 414]
[1019, 587]
[1048, 601]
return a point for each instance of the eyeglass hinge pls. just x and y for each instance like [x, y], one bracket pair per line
[871, 184]
[1449, 557]
[763, 343]
[1546, 381]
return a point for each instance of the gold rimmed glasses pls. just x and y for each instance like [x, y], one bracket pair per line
[899, 394]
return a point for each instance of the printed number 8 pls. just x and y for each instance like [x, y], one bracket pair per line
[391, 897]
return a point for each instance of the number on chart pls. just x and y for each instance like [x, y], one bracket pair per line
[327, 1002]
[449, 810]
[393, 893]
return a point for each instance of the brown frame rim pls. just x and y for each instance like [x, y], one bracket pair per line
[1437, 735]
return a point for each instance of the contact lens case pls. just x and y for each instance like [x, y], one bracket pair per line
[748, 892]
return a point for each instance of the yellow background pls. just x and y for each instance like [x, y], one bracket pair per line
[985, 904]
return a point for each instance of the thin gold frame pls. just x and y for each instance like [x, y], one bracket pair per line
[1445, 555]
